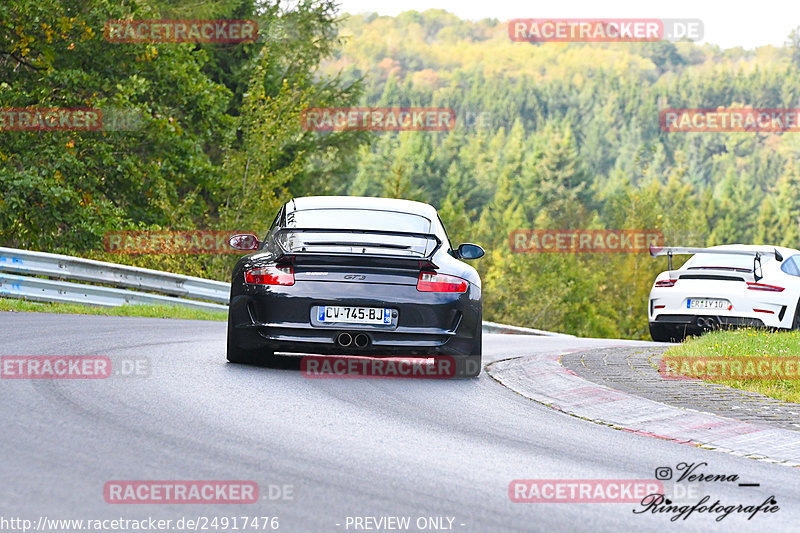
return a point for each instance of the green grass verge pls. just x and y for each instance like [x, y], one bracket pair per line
[156, 311]
[744, 344]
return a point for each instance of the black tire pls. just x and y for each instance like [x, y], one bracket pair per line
[470, 366]
[477, 345]
[261, 357]
[796, 320]
[662, 333]
[241, 356]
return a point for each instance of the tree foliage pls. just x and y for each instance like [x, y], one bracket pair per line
[553, 136]
[566, 136]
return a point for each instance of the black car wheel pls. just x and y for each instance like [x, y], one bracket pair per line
[259, 357]
[469, 366]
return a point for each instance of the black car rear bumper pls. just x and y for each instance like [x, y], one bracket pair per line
[280, 318]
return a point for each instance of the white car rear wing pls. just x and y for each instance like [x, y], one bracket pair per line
[669, 251]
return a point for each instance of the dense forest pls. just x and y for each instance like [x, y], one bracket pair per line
[568, 136]
[547, 136]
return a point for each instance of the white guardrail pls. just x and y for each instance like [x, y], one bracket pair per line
[18, 266]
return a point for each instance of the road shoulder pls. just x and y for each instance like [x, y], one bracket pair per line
[620, 387]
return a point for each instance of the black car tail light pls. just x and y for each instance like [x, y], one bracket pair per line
[270, 275]
[431, 282]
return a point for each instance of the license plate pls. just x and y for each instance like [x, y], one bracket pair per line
[354, 315]
[706, 303]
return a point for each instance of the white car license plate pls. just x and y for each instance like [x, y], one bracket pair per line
[354, 315]
[706, 303]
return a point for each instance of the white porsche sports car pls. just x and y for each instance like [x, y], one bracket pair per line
[725, 287]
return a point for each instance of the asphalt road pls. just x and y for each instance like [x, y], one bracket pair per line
[357, 448]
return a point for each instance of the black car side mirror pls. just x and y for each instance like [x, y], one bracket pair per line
[469, 251]
[244, 241]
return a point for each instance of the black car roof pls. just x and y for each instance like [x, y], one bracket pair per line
[361, 202]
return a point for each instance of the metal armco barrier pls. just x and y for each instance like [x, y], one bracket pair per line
[176, 288]
[17, 268]
[493, 327]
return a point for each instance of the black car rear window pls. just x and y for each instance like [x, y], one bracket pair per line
[343, 218]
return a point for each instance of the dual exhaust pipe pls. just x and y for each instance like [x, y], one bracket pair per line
[345, 339]
[709, 322]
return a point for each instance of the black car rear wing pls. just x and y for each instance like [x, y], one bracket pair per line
[669, 251]
[364, 245]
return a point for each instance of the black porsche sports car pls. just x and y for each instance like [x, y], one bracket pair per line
[355, 276]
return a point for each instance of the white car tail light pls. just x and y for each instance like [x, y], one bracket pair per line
[763, 287]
